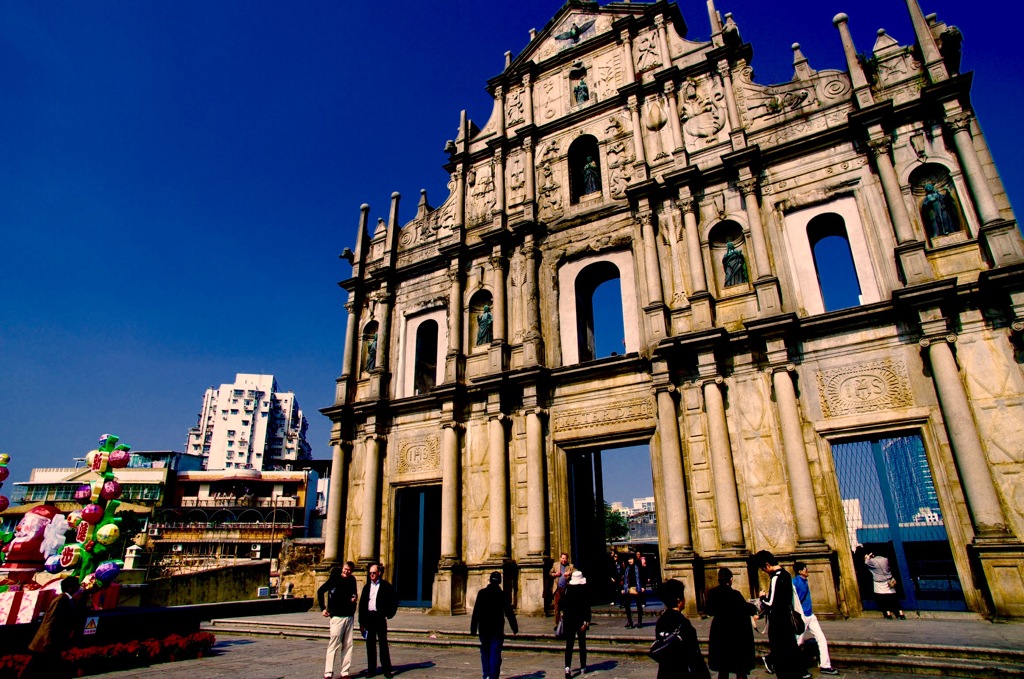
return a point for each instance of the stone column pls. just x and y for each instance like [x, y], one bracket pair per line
[351, 342]
[498, 285]
[653, 266]
[638, 133]
[533, 344]
[980, 491]
[460, 200]
[933, 63]
[698, 277]
[627, 56]
[455, 313]
[451, 466]
[678, 148]
[499, 109]
[336, 504]
[497, 470]
[676, 253]
[499, 182]
[531, 171]
[676, 513]
[369, 532]
[981, 192]
[805, 509]
[727, 504]
[748, 188]
[735, 132]
[536, 541]
[528, 99]
[891, 188]
[659, 22]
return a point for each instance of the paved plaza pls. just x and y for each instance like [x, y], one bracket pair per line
[260, 658]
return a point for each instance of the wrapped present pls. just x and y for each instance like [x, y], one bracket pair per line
[24, 606]
[106, 598]
[33, 605]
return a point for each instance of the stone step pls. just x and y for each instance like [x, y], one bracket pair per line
[922, 659]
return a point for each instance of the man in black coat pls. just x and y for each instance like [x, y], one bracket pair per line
[340, 607]
[489, 613]
[377, 605]
[778, 600]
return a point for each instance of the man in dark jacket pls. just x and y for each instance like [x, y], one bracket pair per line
[340, 607]
[489, 613]
[377, 605]
[778, 601]
[54, 635]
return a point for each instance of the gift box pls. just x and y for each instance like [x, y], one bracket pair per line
[106, 598]
[23, 607]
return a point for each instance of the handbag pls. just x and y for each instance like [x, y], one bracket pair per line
[661, 649]
[892, 583]
[632, 590]
[798, 622]
[560, 629]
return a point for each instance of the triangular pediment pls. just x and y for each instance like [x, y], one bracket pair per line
[576, 24]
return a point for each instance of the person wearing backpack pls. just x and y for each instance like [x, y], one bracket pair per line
[675, 640]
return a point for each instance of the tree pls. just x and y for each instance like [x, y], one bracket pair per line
[615, 526]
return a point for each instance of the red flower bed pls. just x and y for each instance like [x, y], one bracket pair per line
[115, 657]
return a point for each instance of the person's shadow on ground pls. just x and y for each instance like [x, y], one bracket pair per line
[399, 669]
[539, 674]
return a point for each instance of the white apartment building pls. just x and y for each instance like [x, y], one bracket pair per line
[249, 424]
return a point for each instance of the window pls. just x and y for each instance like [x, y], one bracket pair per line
[245, 423]
[230, 443]
[231, 432]
[237, 392]
[263, 414]
[598, 288]
[234, 411]
[425, 370]
[833, 262]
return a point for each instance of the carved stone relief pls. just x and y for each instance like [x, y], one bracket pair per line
[549, 186]
[648, 54]
[864, 388]
[514, 108]
[516, 179]
[619, 152]
[608, 71]
[480, 189]
[516, 281]
[702, 112]
[548, 95]
[421, 454]
[654, 120]
[578, 419]
[761, 106]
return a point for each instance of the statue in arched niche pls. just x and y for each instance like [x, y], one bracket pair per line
[735, 265]
[591, 177]
[939, 212]
[581, 93]
[371, 353]
[484, 323]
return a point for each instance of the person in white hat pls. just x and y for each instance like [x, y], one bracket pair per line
[576, 614]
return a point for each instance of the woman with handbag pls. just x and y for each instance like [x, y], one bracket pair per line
[731, 644]
[576, 619]
[778, 602]
[884, 586]
[633, 590]
[675, 645]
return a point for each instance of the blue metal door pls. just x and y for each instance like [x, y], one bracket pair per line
[892, 509]
[417, 544]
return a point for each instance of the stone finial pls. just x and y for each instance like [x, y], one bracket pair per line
[381, 227]
[861, 87]
[533, 34]
[802, 70]
[840, 18]
[884, 44]
[508, 59]
[423, 209]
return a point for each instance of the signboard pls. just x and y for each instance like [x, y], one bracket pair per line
[91, 623]
[263, 592]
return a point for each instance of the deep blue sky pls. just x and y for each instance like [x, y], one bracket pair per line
[177, 179]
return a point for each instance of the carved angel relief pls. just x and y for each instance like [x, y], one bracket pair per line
[549, 187]
[620, 158]
[702, 112]
[480, 184]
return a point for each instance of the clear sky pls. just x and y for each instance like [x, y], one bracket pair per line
[178, 177]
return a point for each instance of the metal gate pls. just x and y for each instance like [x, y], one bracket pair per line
[892, 509]
[417, 543]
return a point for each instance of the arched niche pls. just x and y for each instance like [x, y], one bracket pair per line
[481, 319]
[935, 197]
[730, 257]
[585, 179]
[369, 353]
[423, 346]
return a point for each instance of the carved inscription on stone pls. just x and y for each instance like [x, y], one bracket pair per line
[598, 416]
[419, 455]
[864, 388]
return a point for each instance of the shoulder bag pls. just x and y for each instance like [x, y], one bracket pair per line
[661, 649]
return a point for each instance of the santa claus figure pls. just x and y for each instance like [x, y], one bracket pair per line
[35, 538]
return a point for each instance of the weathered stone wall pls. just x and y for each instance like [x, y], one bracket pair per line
[230, 583]
[298, 558]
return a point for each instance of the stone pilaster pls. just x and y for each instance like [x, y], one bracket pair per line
[533, 342]
[677, 513]
[499, 335]
[497, 471]
[369, 529]
[727, 504]
[678, 147]
[337, 494]
[454, 360]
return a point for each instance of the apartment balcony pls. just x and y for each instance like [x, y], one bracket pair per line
[222, 533]
[244, 501]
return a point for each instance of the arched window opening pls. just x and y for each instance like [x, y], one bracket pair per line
[600, 329]
[729, 255]
[425, 370]
[833, 262]
[935, 194]
[368, 347]
[584, 168]
[481, 321]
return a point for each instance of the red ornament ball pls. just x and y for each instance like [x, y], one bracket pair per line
[111, 490]
[4, 503]
[92, 514]
[118, 458]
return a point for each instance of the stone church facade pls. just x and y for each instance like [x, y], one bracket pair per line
[617, 149]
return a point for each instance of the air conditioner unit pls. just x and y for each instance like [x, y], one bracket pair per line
[154, 532]
[177, 548]
[255, 547]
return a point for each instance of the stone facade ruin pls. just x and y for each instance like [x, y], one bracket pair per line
[619, 149]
